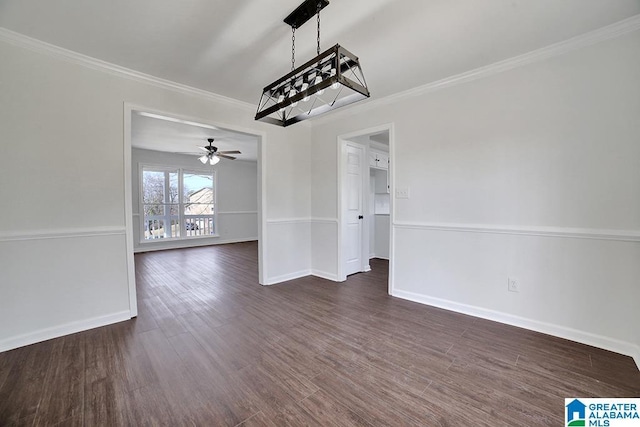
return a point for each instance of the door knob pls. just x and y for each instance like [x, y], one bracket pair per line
[360, 217]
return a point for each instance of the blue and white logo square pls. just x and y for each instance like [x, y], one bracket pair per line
[602, 412]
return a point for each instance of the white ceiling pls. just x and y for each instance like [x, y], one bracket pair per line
[235, 48]
[379, 138]
[177, 137]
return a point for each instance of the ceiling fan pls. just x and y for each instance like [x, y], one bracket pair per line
[213, 155]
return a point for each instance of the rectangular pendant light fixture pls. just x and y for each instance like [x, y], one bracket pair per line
[331, 80]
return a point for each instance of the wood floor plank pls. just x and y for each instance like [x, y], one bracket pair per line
[104, 404]
[294, 415]
[379, 407]
[360, 361]
[329, 411]
[8, 360]
[486, 394]
[145, 320]
[22, 390]
[212, 347]
[63, 388]
[276, 388]
[147, 406]
[227, 397]
[168, 322]
[258, 420]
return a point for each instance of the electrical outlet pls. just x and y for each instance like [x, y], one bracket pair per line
[402, 193]
[513, 285]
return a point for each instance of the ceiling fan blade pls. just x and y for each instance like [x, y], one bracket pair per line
[229, 152]
[225, 156]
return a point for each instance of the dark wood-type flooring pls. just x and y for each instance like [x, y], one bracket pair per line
[213, 348]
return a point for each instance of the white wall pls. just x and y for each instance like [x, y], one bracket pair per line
[62, 222]
[381, 236]
[532, 173]
[381, 226]
[236, 193]
[523, 173]
[289, 202]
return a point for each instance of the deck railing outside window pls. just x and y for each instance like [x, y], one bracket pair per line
[177, 204]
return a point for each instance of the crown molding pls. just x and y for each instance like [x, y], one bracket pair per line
[593, 37]
[609, 32]
[35, 45]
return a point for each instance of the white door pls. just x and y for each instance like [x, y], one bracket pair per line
[353, 208]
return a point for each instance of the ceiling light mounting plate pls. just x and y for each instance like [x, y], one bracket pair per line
[304, 12]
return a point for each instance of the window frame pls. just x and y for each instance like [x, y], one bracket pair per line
[181, 215]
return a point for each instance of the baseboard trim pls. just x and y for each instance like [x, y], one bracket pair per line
[190, 244]
[611, 344]
[325, 275]
[62, 330]
[636, 357]
[286, 277]
[378, 257]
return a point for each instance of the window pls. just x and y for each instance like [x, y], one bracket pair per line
[177, 204]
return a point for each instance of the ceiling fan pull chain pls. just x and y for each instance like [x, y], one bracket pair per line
[293, 48]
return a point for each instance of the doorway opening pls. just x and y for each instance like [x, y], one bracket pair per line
[175, 200]
[365, 182]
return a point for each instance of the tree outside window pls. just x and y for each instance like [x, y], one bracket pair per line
[174, 210]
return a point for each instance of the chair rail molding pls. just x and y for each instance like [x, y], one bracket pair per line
[282, 221]
[62, 233]
[318, 220]
[561, 232]
[238, 213]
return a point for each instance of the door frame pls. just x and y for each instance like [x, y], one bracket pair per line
[342, 140]
[128, 110]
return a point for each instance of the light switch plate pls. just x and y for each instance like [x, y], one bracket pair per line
[402, 193]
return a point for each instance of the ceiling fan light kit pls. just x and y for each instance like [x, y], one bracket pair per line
[213, 155]
[331, 80]
[213, 159]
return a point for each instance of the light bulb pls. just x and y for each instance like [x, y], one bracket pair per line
[305, 86]
[213, 160]
[280, 99]
[318, 81]
[204, 159]
[293, 93]
[333, 73]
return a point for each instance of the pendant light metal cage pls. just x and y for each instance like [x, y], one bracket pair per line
[331, 80]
